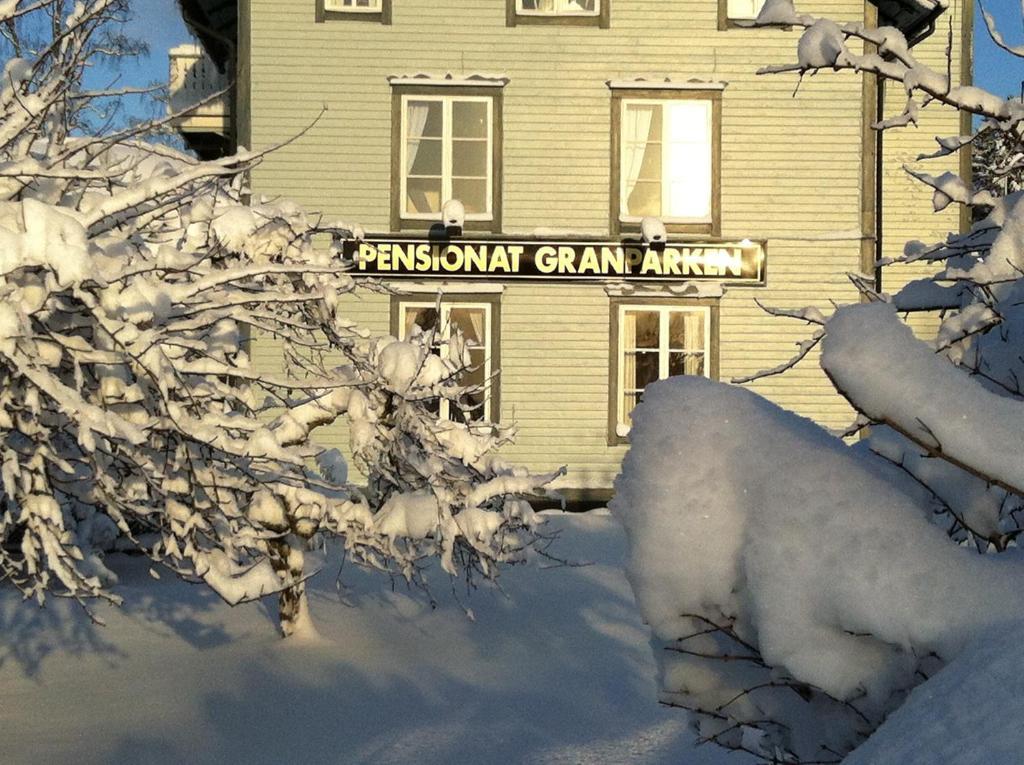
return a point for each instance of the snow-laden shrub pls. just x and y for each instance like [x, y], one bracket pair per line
[798, 588]
[131, 277]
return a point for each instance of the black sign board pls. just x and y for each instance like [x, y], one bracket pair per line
[503, 259]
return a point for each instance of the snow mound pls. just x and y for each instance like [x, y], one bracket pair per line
[968, 713]
[764, 538]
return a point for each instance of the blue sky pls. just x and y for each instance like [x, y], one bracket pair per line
[995, 69]
[159, 23]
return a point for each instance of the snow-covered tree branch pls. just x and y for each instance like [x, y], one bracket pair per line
[131, 280]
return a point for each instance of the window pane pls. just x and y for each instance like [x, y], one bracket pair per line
[472, 193]
[423, 147]
[689, 122]
[469, 158]
[685, 364]
[645, 200]
[423, 195]
[476, 375]
[645, 364]
[559, 6]
[641, 329]
[686, 330]
[691, 198]
[641, 123]
[469, 119]
[473, 324]
[423, 318]
[688, 160]
[423, 157]
[641, 159]
[424, 119]
[744, 9]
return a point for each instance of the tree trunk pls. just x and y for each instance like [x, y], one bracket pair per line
[288, 559]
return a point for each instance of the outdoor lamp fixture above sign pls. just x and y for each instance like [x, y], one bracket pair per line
[653, 233]
[453, 216]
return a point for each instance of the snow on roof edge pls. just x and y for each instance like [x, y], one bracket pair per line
[666, 84]
[449, 79]
[187, 49]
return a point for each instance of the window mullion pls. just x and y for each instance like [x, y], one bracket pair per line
[489, 201]
[663, 344]
[446, 150]
[444, 336]
[666, 186]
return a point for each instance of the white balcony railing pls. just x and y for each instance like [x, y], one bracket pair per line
[194, 78]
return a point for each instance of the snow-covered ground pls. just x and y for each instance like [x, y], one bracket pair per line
[559, 671]
[969, 713]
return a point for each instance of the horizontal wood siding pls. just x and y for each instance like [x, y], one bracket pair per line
[908, 212]
[790, 174]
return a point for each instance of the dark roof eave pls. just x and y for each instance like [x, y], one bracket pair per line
[215, 23]
[914, 18]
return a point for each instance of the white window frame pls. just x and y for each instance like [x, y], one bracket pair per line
[664, 348]
[521, 11]
[340, 7]
[446, 307]
[665, 178]
[729, 15]
[446, 155]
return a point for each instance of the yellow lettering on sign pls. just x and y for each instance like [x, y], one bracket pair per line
[671, 260]
[613, 260]
[367, 253]
[499, 259]
[730, 260]
[404, 257]
[634, 257]
[652, 263]
[566, 260]
[423, 257]
[692, 262]
[589, 262]
[546, 259]
[452, 258]
[474, 258]
[516, 251]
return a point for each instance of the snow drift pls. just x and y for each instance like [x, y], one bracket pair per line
[758, 540]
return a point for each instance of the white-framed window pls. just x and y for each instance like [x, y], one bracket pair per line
[474, 320]
[666, 159]
[743, 10]
[446, 152]
[558, 7]
[353, 6]
[656, 342]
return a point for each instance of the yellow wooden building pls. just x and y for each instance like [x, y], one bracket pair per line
[559, 125]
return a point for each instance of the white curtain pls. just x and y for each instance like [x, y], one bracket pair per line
[477, 320]
[693, 342]
[416, 122]
[628, 359]
[636, 130]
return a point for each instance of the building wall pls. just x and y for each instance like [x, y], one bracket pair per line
[791, 174]
[908, 212]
